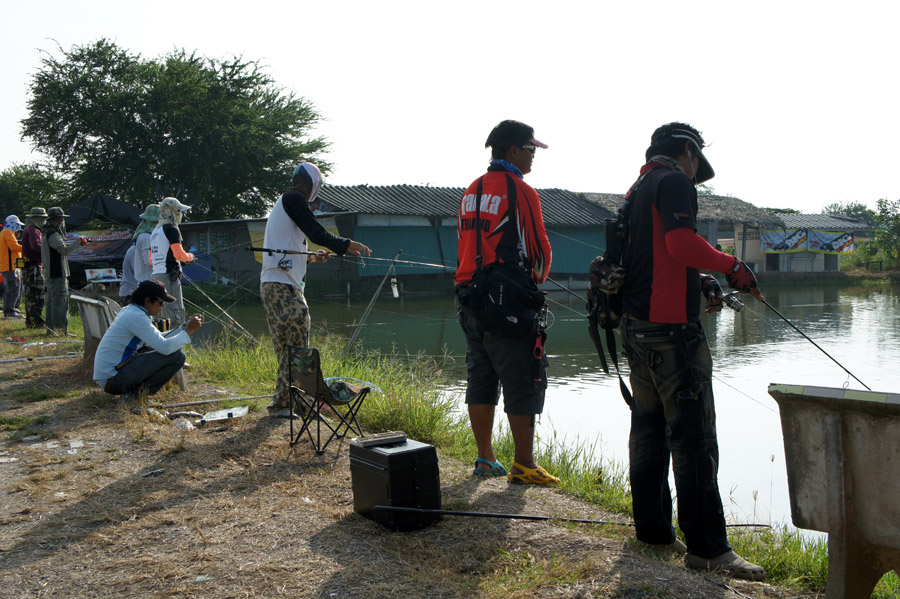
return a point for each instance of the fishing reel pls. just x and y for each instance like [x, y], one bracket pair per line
[731, 300]
[286, 264]
[712, 291]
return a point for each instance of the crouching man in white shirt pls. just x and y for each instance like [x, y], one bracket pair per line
[118, 366]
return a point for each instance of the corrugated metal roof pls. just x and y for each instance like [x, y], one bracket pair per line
[823, 221]
[560, 207]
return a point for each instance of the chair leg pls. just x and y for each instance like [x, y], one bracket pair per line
[348, 420]
[311, 414]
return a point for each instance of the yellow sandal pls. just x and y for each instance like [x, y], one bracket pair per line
[532, 476]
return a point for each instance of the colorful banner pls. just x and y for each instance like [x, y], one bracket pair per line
[107, 245]
[782, 241]
[830, 242]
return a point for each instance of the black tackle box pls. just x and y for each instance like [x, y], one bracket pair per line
[398, 474]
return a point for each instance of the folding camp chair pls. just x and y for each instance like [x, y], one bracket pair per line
[311, 395]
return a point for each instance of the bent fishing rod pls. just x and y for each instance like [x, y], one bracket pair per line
[391, 260]
[805, 336]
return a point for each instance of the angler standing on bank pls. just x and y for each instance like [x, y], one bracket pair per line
[168, 254]
[55, 252]
[503, 245]
[672, 411]
[290, 225]
[33, 273]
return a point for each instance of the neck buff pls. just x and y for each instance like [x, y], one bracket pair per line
[146, 226]
[506, 164]
[654, 162]
[169, 213]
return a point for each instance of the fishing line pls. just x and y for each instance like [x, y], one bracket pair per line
[582, 242]
[567, 290]
[805, 336]
[369, 307]
[751, 398]
[230, 317]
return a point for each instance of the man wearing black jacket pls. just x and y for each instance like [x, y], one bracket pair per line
[672, 412]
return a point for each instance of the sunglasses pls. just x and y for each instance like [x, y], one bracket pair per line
[531, 148]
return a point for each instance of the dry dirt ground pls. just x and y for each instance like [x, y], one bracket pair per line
[98, 502]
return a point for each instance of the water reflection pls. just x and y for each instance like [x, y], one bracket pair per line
[857, 325]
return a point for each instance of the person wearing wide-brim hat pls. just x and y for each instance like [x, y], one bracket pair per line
[32, 273]
[54, 254]
[137, 265]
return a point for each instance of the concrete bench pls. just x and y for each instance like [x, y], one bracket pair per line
[842, 450]
[96, 316]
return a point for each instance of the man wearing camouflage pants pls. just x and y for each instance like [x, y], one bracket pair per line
[32, 273]
[290, 224]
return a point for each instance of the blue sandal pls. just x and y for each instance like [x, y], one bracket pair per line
[494, 468]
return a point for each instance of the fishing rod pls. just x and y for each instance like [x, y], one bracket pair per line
[363, 258]
[418, 510]
[566, 289]
[230, 317]
[40, 358]
[369, 307]
[805, 336]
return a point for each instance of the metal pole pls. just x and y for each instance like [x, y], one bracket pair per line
[418, 510]
[206, 401]
[41, 358]
[388, 508]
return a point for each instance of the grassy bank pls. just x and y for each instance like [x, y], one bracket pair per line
[412, 401]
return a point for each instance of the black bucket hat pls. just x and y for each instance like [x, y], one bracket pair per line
[705, 171]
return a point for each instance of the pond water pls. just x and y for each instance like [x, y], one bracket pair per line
[858, 325]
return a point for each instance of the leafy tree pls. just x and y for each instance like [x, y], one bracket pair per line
[856, 210]
[25, 186]
[887, 234]
[123, 125]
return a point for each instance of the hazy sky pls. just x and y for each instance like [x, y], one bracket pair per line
[797, 100]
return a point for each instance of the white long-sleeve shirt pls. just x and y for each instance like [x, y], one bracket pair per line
[131, 329]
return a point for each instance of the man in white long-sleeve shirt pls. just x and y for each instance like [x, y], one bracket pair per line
[119, 368]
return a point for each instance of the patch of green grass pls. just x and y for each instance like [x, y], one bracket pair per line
[521, 573]
[36, 394]
[789, 558]
[17, 423]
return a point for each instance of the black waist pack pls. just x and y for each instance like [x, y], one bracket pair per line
[505, 300]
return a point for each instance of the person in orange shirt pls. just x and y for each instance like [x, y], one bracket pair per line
[10, 250]
[500, 223]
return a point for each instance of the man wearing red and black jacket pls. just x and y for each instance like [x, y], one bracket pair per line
[512, 232]
[673, 412]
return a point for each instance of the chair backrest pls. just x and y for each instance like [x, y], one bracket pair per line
[306, 373]
[96, 316]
